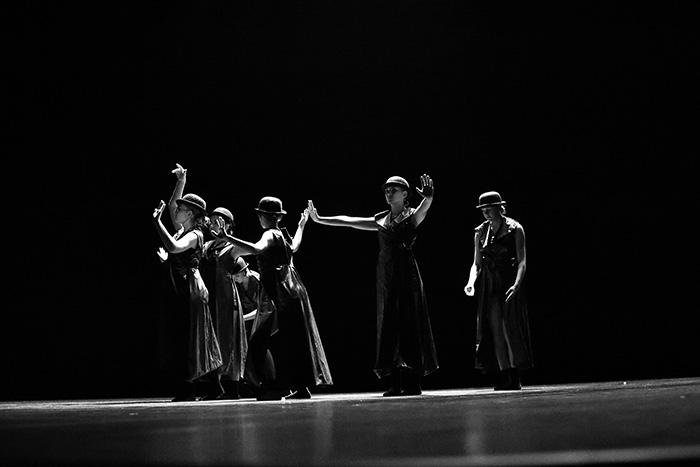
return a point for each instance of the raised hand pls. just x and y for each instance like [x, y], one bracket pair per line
[157, 212]
[426, 190]
[312, 211]
[304, 218]
[217, 228]
[180, 172]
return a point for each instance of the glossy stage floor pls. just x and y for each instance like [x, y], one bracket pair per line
[635, 422]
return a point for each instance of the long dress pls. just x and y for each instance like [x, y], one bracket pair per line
[498, 272]
[404, 334]
[225, 307]
[188, 344]
[289, 327]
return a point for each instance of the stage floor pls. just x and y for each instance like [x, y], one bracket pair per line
[654, 421]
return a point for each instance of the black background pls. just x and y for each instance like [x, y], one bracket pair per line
[581, 114]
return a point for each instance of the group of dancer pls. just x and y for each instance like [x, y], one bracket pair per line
[225, 323]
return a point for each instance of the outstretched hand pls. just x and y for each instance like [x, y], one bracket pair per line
[180, 172]
[158, 211]
[426, 190]
[312, 211]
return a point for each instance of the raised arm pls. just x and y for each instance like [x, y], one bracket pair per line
[181, 174]
[427, 192]
[296, 241]
[361, 223]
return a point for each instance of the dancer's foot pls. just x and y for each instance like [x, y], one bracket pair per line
[186, 392]
[300, 394]
[509, 386]
[393, 392]
[412, 392]
[270, 396]
[184, 399]
[215, 392]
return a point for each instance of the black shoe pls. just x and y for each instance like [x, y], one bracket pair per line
[393, 392]
[186, 392]
[270, 396]
[300, 394]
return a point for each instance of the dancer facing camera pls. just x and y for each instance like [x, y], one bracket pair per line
[289, 330]
[188, 345]
[405, 347]
[219, 263]
[496, 278]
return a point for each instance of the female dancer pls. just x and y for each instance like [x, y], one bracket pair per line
[219, 262]
[289, 329]
[405, 347]
[189, 348]
[502, 330]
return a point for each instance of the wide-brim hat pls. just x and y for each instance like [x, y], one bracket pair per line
[223, 212]
[193, 200]
[397, 181]
[270, 205]
[490, 198]
[239, 266]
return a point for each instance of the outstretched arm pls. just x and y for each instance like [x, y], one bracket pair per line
[361, 223]
[243, 247]
[181, 174]
[427, 192]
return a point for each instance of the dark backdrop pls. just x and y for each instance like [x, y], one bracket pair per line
[581, 114]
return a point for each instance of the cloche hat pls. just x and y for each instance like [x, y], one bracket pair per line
[193, 200]
[490, 198]
[270, 205]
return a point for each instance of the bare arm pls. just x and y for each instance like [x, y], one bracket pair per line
[171, 244]
[427, 192]
[243, 247]
[522, 262]
[181, 174]
[361, 223]
[296, 241]
[475, 269]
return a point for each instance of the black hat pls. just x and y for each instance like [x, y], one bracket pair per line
[239, 266]
[193, 200]
[223, 212]
[270, 205]
[397, 181]
[490, 198]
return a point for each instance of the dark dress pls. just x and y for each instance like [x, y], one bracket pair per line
[498, 272]
[288, 328]
[226, 311]
[404, 335]
[188, 345]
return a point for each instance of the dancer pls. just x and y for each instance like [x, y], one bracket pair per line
[219, 262]
[188, 344]
[496, 278]
[251, 296]
[405, 347]
[289, 329]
